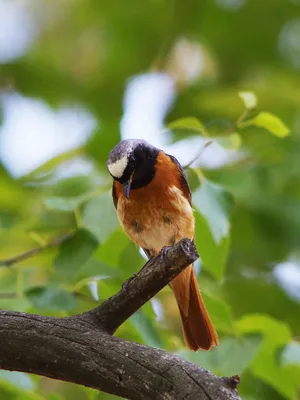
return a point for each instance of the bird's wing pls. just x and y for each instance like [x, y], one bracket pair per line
[185, 187]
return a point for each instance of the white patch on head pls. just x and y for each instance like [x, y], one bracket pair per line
[118, 167]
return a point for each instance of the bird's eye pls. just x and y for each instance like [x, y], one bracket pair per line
[132, 161]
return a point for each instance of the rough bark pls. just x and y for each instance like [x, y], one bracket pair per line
[80, 348]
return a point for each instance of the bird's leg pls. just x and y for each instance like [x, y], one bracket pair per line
[161, 255]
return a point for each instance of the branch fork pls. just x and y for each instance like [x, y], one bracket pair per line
[81, 348]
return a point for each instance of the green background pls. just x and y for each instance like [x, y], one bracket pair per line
[247, 212]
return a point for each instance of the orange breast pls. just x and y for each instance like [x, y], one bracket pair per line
[158, 214]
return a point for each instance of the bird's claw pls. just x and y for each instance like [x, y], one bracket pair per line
[164, 251]
[126, 283]
[161, 254]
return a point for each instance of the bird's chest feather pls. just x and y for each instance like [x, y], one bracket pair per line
[156, 218]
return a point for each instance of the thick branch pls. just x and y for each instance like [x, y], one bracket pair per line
[156, 274]
[71, 350]
[78, 349]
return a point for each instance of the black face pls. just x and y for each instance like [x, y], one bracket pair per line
[141, 159]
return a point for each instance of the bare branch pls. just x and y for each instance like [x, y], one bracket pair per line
[72, 350]
[79, 349]
[36, 250]
[235, 126]
[199, 154]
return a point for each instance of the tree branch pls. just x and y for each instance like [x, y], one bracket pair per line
[155, 275]
[36, 250]
[79, 349]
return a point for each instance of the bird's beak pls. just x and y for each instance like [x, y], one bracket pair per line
[126, 186]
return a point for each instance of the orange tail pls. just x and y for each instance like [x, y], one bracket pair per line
[197, 327]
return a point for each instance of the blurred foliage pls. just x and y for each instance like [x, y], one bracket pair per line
[247, 212]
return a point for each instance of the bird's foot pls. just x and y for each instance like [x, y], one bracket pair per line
[164, 251]
[126, 283]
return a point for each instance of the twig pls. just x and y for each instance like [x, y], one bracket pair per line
[8, 295]
[199, 154]
[36, 250]
[242, 117]
[81, 296]
[235, 126]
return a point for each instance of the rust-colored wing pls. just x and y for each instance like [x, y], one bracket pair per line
[184, 185]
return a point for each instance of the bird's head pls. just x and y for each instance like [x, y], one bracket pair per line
[132, 163]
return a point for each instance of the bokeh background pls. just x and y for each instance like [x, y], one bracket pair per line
[75, 77]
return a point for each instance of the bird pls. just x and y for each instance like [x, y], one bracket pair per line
[154, 206]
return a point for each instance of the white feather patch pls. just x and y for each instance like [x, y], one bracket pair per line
[180, 201]
[118, 167]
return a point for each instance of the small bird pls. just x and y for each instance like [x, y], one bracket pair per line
[153, 202]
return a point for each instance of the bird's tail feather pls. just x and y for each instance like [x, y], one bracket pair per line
[198, 329]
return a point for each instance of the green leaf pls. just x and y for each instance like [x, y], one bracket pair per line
[267, 326]
[10, 280]
[242, 286]
[188, 123]
[193, 178]
[213, 255]
[109, 252]
[17, 380]
[215, 204]
[63, 203]
[231, 357]
[96, 269]
[270, 122]
[9, 277]
[71, 203]
[249, 99]
[144, 324]
[99, 216]
[265, 365]
[230, 142]
[51, 298]
[220, 314]
[130, 260]
[291, 354]
[54, 396]
[74, 253]
[49, 166]
[20, 304]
